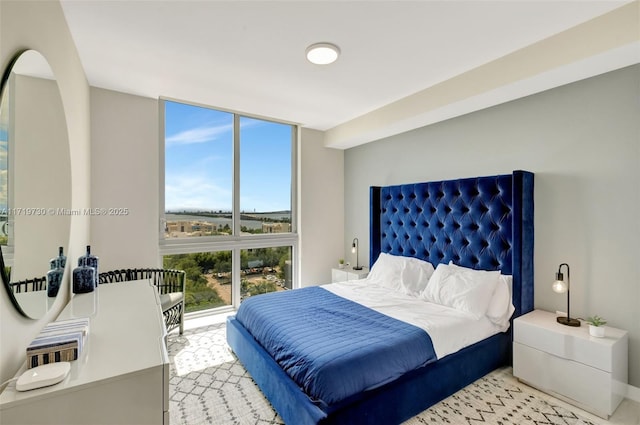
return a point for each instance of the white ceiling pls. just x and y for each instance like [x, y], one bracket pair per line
[248, 56]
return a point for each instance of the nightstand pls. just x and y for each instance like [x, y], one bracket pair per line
[568, 363]
[348, 273]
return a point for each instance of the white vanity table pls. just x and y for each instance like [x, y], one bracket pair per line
[122, 375]
[35, 303]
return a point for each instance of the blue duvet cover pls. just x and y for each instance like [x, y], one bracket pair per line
[332, 347]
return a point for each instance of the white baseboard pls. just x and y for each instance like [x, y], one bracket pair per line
[633, 393]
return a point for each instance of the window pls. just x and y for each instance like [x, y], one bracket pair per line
[228, 216]
[209, 278]
[265, 270]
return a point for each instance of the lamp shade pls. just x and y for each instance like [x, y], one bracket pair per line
[560, 286]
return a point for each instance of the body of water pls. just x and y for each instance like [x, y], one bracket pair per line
[221, 221]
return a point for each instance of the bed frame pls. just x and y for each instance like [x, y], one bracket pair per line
[483, 223]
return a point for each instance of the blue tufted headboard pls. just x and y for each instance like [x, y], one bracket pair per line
[483, 222]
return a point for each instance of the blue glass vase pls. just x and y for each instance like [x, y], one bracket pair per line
[59, 261]
[84, 278]
[54, 275]
[54, 280]
[90, 261]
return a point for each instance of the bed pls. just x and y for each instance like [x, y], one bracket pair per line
[481, 223]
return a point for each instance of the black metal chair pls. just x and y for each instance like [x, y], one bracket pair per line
[113, 276]
[170, 284]
[29, 285]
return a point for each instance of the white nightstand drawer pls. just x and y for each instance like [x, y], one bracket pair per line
[583, 384]
[540, 330]
[342, 275]
[569, 363]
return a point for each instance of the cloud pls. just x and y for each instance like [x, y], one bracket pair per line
[195, 192]
[198, 135]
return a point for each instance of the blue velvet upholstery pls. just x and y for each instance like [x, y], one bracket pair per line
[483, 223]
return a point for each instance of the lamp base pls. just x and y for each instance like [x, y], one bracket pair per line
[568, 321]
[357, 268]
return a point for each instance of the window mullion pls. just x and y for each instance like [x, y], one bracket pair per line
[236, 274]
[236, 175]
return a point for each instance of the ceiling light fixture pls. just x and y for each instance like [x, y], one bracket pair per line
[322, 53]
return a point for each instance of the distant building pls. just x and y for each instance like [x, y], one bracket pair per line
[182, 229]
[276, 227]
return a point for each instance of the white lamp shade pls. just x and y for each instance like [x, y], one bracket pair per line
[560, 286]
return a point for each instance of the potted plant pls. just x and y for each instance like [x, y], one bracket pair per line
[341, 263]
[596, 326]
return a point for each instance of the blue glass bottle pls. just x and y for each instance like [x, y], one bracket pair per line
[54, 280]
[90, 261]
[54, 275]
[59, 261]
[84, 277]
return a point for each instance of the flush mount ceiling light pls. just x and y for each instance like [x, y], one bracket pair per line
[322, 53]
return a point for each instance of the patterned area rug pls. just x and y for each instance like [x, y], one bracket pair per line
[208, 385]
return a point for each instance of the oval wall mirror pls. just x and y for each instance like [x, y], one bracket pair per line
[35, 181]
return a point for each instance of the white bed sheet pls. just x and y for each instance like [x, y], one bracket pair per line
[450, 329]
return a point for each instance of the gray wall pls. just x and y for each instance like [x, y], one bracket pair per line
[582, 141]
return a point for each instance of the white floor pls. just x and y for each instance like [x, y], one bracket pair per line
[628, 413]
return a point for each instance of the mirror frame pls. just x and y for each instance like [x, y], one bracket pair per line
[7, 287]
[3, 270]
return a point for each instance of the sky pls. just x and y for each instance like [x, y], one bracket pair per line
[199, 161]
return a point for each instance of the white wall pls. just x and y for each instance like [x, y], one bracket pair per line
[321, 204]
[582, 141]
[41, 25]
[125, 172]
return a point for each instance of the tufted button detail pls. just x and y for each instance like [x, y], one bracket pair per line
[467, 221]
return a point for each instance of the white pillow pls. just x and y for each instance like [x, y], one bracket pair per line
[415, 275]
[464, 289]
[404, 274]
[385, 272]
[501, 306]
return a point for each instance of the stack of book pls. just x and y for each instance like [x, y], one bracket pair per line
[59, 341]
